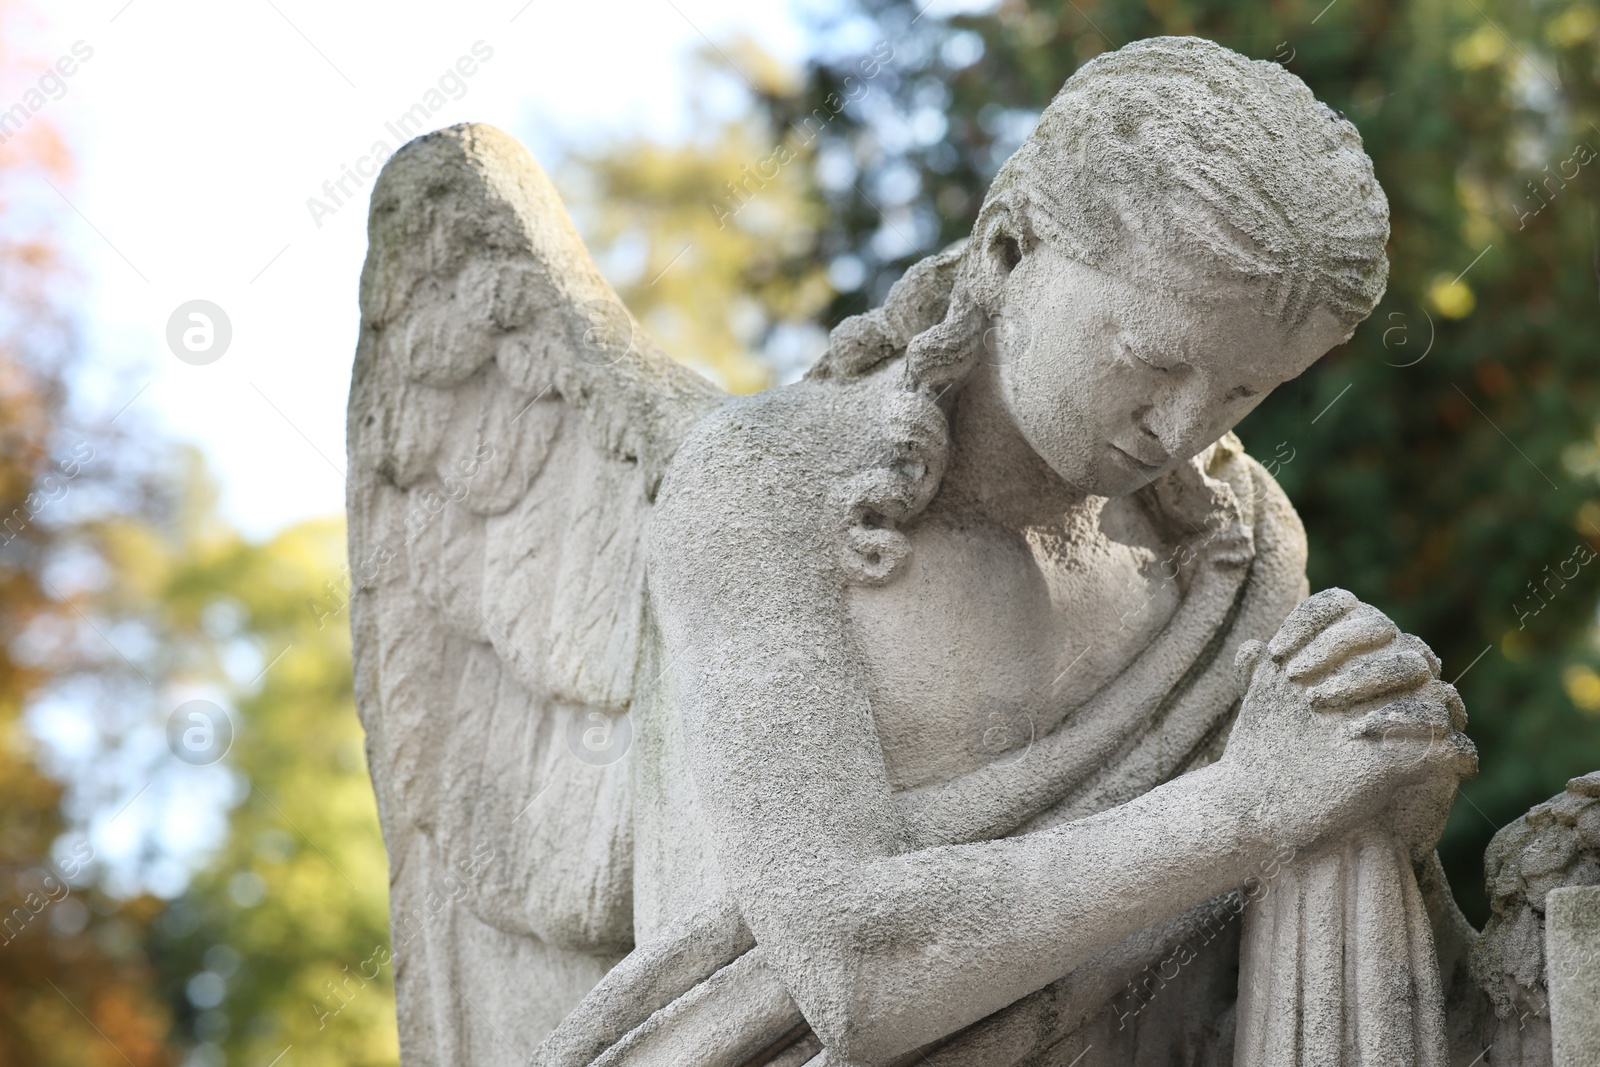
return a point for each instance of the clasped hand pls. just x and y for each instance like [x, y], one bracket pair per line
[1343, 718]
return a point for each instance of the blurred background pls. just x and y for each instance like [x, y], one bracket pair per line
[190, 866]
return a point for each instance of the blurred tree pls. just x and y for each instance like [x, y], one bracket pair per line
[75, 982]
[75, 985]
[709, 242]
[1445, 460]
[280, 939]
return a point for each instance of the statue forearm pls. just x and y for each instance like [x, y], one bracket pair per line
[901, 942]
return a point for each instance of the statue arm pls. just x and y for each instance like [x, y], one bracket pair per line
[878, 943]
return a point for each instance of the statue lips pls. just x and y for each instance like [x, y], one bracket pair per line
[1142, 466]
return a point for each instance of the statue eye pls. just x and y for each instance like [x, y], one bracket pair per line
[1242, 392]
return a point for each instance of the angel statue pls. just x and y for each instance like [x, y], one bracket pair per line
[960, 704]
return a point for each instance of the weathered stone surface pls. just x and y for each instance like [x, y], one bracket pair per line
[1572, 944]
[1529, 862]
[960, 704]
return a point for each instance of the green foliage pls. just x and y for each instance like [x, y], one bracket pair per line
[709, 242]
[272, 946]
[1458, 458]
[74, 969]
[711, 280]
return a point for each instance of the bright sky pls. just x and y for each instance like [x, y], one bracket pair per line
[201, 130]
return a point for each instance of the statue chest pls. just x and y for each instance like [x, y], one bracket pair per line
[990, 637]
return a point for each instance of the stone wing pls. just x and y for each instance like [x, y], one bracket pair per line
[508, 425]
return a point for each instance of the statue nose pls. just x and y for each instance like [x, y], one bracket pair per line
[1157, 430]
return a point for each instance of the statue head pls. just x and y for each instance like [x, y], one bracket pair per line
[1184, 230]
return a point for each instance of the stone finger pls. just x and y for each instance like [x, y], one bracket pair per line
[1370, 677]
[1313, 615]
[1419, 731]
[1419, 646]
[1411, 718]
[1244, 663]
[1465, 755]
[1438, 703]
[1363, 630]
[1241, 554]
[1452, 751]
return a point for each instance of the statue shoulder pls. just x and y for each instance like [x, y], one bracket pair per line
[762, 474]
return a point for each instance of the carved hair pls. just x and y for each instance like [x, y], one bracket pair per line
[1228, 163]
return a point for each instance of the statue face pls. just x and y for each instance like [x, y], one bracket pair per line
[1115, 377]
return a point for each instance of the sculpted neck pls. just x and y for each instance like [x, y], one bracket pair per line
[993, 470]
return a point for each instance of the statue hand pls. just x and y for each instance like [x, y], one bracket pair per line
[1382, 660]
[1344, 717]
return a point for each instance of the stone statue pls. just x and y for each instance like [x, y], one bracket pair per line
[961, 704]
